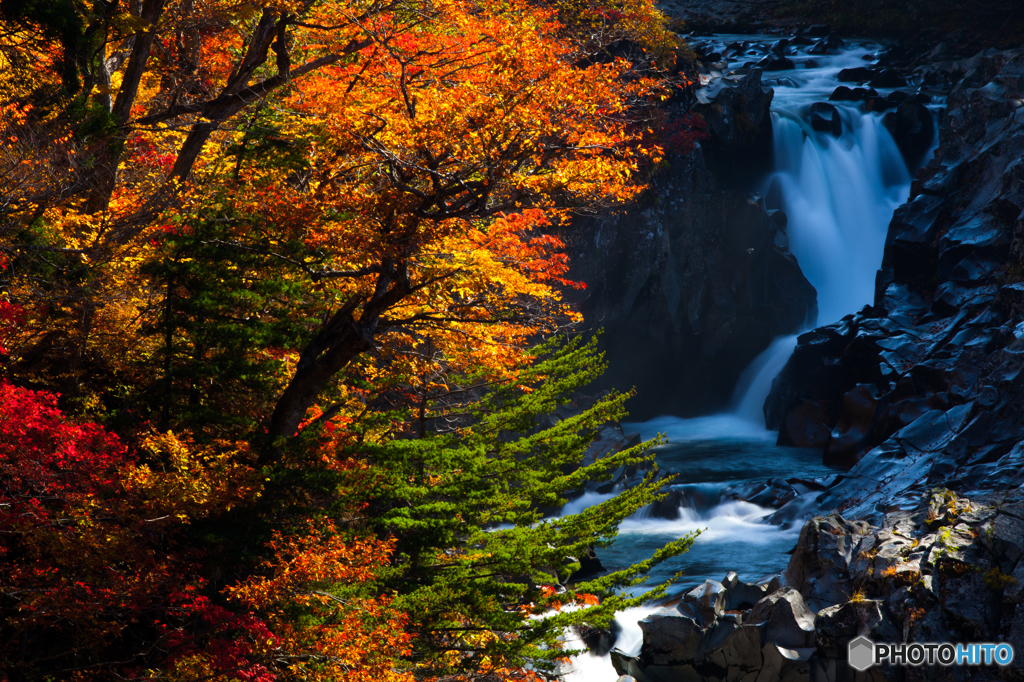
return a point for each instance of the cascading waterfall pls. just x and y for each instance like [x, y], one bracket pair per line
[839, 194]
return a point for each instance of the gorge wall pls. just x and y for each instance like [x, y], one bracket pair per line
[926, 387]
[693, 283]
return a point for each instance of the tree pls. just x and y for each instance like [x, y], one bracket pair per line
[96, 583]
[407, 180]
[306, 615]
[478, 556]
[87, 552]
[265, 244]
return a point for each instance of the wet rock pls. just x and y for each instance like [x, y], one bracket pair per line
[837, 625]
[739, 651]
[825, 118]
[827, 45]
[887, 78]
[912, 125]
[785, 664]
[707, 600]
[857, 74]
[846, 94]
[851, 436]
[590, 567]
[807, 426]
[739, 124]
[668, 639]
[780, 64]
[878, 104]
[788, 621]
[599, 641]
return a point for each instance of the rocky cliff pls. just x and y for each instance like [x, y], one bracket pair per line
[693, 283]
[926, 387]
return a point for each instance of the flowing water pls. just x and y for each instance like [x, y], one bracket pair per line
[839, 195]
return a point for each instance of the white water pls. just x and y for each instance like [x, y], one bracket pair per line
[756, 381]
[839, 195]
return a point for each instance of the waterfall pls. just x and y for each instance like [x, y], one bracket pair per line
[839, 195]
[756, 381]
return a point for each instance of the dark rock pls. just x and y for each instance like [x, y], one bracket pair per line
[857, 74]
[807, 426]
[913, 127]
[877, 104]
[825, 118]
[590, 567]
[845, 94]
[780, 64]
[707, 601]
[899, 96]
[827, 45]
[851, 437]
[887, 78]
[789, 623]
[740, 131]
[599, 641]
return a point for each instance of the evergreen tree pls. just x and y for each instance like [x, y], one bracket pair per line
[477, 558]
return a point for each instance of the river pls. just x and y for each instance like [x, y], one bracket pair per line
[839, 194]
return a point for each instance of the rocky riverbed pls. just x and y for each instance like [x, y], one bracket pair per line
[949, 570]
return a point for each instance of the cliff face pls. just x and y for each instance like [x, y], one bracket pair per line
[692, 285]
[926, 387]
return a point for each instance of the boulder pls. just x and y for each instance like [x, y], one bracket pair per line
[707, 600]
[788, 621]
[857, 74]
[846, 94]
[780, 64]
[913, 128]
[887, 78]
[852, 434]
[825, 118]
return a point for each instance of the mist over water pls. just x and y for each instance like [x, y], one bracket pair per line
[839, 194]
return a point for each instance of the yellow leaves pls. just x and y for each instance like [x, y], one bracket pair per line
[193, 481]
[127, 23]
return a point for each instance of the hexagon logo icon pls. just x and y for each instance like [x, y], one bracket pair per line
[861, 653]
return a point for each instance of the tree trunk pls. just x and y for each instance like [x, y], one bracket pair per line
[110, 154]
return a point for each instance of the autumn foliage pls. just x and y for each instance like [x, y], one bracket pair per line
[266, 267]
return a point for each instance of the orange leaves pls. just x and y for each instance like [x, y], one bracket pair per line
[343, 633]
[303, 565]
